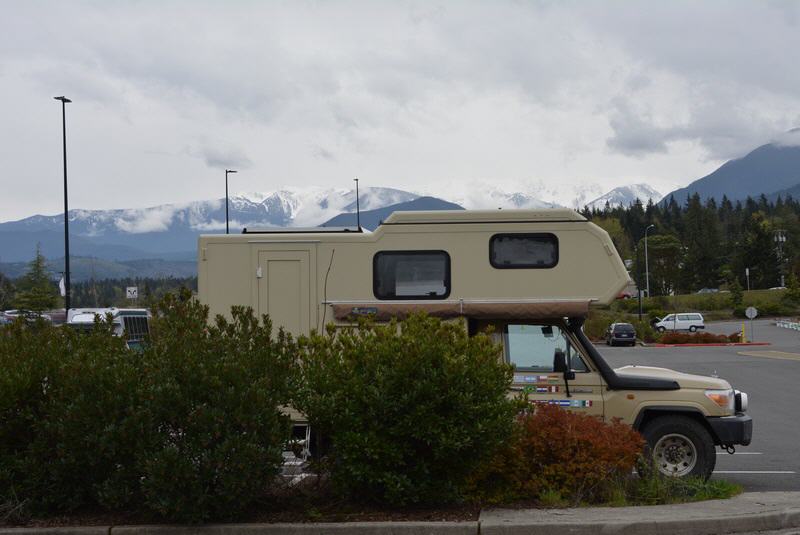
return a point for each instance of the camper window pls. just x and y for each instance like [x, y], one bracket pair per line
[508, 251]
[411, 275]
[531, 348]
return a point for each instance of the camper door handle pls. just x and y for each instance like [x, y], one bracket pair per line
[259, 273]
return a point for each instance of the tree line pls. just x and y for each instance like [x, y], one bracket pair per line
[706, 244]
[37, 291]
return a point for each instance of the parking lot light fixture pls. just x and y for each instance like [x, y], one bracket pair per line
[646, 263]
[64, 100]
[227, 171]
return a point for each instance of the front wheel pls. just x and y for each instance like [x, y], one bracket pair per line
[680, 447]
[661, 329]
[692, 328]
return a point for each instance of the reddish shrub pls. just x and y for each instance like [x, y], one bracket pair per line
[557, 452]
[698, 338]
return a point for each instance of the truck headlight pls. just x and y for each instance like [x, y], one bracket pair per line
[723, 398]
[741, 401]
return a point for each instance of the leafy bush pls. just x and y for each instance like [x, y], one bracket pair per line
[698, 338]
[766, 309]
[66, 402]
[189, 429]
[555, 453]
[210, 410]
[410, 408]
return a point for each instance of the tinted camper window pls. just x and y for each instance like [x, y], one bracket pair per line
[411, 275]
[523, 251]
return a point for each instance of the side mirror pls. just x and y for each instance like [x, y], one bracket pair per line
[560, 365]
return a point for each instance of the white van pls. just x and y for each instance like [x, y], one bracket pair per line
[687, 321]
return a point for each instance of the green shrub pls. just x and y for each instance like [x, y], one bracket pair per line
[189, 429]
[66, 401]
[766, 308]
[410, 408]
[210, 410]
[557, 455]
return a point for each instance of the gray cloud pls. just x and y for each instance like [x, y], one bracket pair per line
[411, 94]
[221, 158]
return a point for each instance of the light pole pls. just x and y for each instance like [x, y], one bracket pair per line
[227, 230]
[780, 240]
[64, 100]
[646, 261]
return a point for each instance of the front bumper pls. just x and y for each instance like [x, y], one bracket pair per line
[732, 430]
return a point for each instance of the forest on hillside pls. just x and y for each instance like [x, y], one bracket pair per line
[706, 244]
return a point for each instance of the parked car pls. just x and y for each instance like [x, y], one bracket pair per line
[621, 333]
[688, 321]
[708, 290]
[29, 315]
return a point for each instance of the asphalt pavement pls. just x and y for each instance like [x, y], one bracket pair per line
[771, 377]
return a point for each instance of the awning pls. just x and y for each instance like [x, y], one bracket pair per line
[516, 310]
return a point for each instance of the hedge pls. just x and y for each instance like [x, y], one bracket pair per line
[189, 430]
[411, 408]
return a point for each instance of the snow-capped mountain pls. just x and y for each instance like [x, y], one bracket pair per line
[170, 231]
[625, 196]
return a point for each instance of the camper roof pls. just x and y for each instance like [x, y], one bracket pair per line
[549, 215]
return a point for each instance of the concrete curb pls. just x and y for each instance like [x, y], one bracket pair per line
[729, 344]
[699, 526]
[749, 512]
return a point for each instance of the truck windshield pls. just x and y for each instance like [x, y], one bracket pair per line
[531, 347]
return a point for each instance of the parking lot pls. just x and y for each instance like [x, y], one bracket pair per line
[771, 377]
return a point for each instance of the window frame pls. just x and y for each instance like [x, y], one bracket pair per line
[576, 351]
[414, 252]
[548, 235]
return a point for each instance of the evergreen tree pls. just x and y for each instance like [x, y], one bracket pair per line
[35, 291]
[6, 293]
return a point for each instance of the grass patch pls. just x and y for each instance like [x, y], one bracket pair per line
[657, 490]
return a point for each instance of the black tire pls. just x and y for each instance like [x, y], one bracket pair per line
[661, 329]
[672, 439]
[692, 329]
[633, 344]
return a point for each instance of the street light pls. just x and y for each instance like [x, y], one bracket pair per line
[64, 100]
[646, 263]
[227, 230]
[780, 240]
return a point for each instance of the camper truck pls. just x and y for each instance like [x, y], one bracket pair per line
[531, 275]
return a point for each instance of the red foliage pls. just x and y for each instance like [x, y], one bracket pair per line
[556, 451]
[698, 338]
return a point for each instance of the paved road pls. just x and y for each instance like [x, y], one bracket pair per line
[771, 377]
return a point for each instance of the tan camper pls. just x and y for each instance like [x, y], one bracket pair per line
[530, 274]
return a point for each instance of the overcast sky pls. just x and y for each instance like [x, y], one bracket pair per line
[541, 97]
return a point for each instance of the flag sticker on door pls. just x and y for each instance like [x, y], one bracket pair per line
[571, 403]
[535, 378]
[541, 389]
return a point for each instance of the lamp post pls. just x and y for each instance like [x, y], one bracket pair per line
[227, 230]
[64, 100]
[780, 240]
[646, 261]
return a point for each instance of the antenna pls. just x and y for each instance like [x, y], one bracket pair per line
[358, 210]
